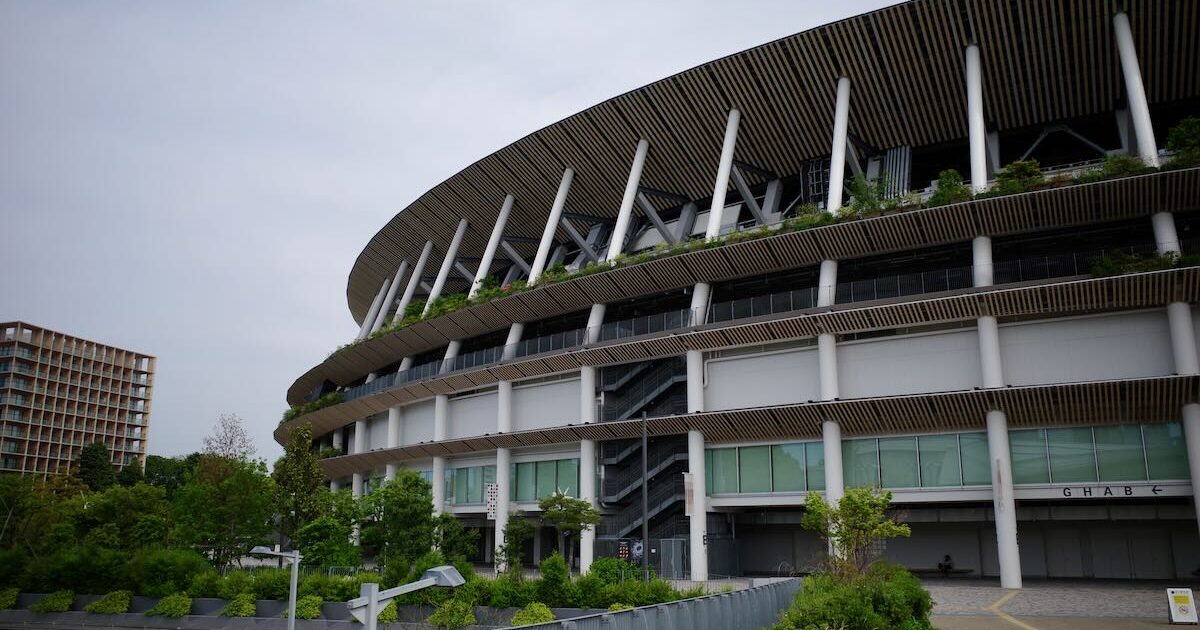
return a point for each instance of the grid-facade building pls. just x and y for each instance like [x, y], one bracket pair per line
[59, 393]
[698, 258]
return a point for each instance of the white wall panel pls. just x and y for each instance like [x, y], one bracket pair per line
[472, 415]
[913, 364]
[545, 405]
[1123, 345]
[377, 431]
[780, 378]
[416, 424]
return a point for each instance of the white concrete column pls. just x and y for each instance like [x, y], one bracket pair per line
[1002, 500]
[724, 166]
[337, 439]
[831, 432]
[827, 365]
[827, 283]
[489, 253]
[698, 522]
[414, 281]
[439, 485]
[388, 299]
[976, 130]
[360, 446]
[837, 160]
[989, 352]
[335, 485]
[1135, 92]
[365, 329]
[616, 242]
[439, 283]
[356, 485]
[587, 492]
[503, 495]
[1166, 239]
[1183, 338]
[556, 210]
[395, 414]
[981, 261]
[1191, 436]
[831, 440]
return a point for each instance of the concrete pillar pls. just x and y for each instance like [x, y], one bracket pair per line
[587, 492]
[616, 242]
[981, 265]
[989, 352]
[1191, 436]
[439, 283]
[414, 281]
[337, 439]
[976, 131]
[365, 329]
[1183, 349]
[724, 166]
[335, 485]
[827, 283]
[698, 522]
[831, 432]
[837, 160]
[441, 410]
[1135, 92]
[386, 306]
[1166, 239]
[537, 545]
[827, 365]
[831, 440]
[439, 485]
[1002, 500]
[356, 485]
[393, 437]
[556, 210]
[489, 253]
[504, 407]
[503, 495]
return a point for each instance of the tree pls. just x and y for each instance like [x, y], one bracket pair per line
[95, 466]
[326, 542]
[569, 516]
[517, 532]
[853, 527]
[131, 475]
[229, 439]
[225, 516]
[298, 479]
[402, 510]
[455, 541]
[123, 518]
[169, 473]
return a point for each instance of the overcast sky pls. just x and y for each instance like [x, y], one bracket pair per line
[194, 179]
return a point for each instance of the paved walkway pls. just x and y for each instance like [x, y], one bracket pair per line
[1049, 605]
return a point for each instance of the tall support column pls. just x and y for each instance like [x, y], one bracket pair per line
[386, 306]
[831, 432]
[360, 446]
[717, 211]
[1003, 504]
[837, 161]
[441, 405]
[365, 329]
[827, 283]
[439, 283]
[1166, 239]
[1135, 92]
[616, 241]
[489, 253]
[1183, 349]
[981, 266]
[831, 440]
[393, 437]
[698, 521]
[503, 495]
[556, 210]
[414, 281]
[976, 130]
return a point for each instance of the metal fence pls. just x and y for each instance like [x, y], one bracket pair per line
[749, 609]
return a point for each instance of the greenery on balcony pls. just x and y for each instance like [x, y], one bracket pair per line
[295, 411]
[1120, 263]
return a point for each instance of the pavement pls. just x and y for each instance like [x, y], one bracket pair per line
[1050, 604]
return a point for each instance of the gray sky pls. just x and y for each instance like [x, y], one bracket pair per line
[194, 180]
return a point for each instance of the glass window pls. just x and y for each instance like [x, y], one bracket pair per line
[787, 468]
[708, 485]
[814, 465]
[754, 468]
[860, 463]
[1166, 451]
[489, 476]
[474, 484]
[1119, 452]
[898, 462]
[1072, 454]
[459, 493]
[546, 478]
[976, 461]
[526, 482]
[568, 476]
[1028, 451]
[939, 461]
[724, 470]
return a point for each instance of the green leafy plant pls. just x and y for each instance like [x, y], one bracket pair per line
[453, 614]
[1115, 166]
[172, 606]
[241, 606]
[1184, 141]
[950, 189]
[307, 607]
[1018, 177]
[328, 400]
[852, 527]
[235, 583]
[1120, 263]
[114, 603]
[58, 601]
[618, 607]
[271, 583]
[886, 596]
[8, 598]
[388, 614]
[535, 612]
[555, 586]
[867, 197]
[569, 516]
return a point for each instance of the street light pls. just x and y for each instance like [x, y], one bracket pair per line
[367, 606]
[294, 558]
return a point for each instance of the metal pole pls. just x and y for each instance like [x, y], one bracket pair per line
[295, 558]
[645, 510]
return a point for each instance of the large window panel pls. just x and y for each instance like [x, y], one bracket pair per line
[754, 468]
[546, 478]
[568, 476]
[724, 471]
[939, 461]
[814, 465]
[1119, 453]
[526, 484]
[860, 463]
[1028, 451]
[898, 462]
[976, 460]
[460, 486]
[475, 484]
[787, 467]
[1166, 451]
[1072, 455]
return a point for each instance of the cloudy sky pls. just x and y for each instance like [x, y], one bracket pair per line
[194, 179]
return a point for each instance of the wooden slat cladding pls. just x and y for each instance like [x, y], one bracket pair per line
[1148, 400]
[1043, 60]
[1047, 209]
[1128, 292]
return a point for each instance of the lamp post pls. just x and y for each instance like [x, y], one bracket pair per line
[371, 600]
[294, 558]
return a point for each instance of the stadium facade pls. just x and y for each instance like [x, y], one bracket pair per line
[663, 262]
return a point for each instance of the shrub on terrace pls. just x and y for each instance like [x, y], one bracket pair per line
[950, 189]
[328, 400]
[8, 598]
[1184, 141]
[172, 606]
[1115, 166]
[242, 606]
[886, 596]
[535, 612]
[114, 603]
[453, 614]
[1119, 263]
[1018, 177]
[58, 601]
[307, 607]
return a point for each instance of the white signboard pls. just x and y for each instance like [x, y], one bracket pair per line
[493, 495]
[1182, 605]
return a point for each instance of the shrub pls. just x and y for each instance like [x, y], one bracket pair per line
[8, 598]
[272, 583]
[58, 601]
[807, 220]
[12, 566]
[535, 612]
[887, 596]
[950, 189]
[614, 570]
[81, 569]
[477, 591]
[1115, 166]
[235, 583]
[1184, 141]
[172, 606]
[508, 592]
[554, 587]
[206, 584]
[114, 603]
[1018, 177]
[1119, 263]
[618, 607]
[388, 614]
[160, 572]
[307, 607]
[453, 614]
[242, 606]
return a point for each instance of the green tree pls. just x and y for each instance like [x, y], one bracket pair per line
[950, 189]
[225, 516]
[298, 480]
[455, 541]
[130, 475]
[852, 527]
[569, 516]
[517, 532]
[124, 518]
[170, 473]
[95, 466]
[402, 514]
[1184, 141]
[326, 542]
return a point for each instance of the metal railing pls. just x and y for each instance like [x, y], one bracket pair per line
[660, 496]
[666, 373]
[660, 455]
